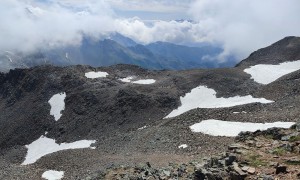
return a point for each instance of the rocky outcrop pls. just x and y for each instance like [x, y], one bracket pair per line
[269, 155]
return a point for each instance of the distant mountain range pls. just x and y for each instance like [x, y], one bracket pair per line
[118, 49]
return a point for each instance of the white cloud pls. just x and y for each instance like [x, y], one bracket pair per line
[170, 31]
[164, 6]
[247, 25]
[29, 25]
[239, 26]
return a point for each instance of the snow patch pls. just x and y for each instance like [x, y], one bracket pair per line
[244, 112]
[53, 175]
[141, 128]
[266, 73]
[57, 103]
[44, 146]
[203, 97]
[183, 146]
[93, 75]
[144, 81]
[227, 128]
[127, 79]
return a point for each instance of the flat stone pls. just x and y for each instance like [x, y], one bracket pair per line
[238, 170]
[245, 168]
[273, 164]
[251, 170]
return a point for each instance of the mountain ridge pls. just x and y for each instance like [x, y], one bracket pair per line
[118, 49]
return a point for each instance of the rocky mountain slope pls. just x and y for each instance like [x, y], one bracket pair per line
[117, 115]
[270, 154]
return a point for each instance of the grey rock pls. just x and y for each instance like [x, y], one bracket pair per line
[268, 178]
[230, 159]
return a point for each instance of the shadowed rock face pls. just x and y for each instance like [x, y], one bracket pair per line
[112, 112]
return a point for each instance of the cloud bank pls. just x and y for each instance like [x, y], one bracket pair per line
[240, 27]
[244, 26]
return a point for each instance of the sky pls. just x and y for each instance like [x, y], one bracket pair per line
[239, 27]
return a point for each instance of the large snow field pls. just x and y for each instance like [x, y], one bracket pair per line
[93, 75]
[203, 97]
[53, 175]
[267, 73]
[227, 128]
[57, 103]
[44, 146]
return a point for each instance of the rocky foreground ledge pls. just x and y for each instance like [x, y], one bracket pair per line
[267, 155]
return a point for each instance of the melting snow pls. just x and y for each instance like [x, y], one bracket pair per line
[144, 81]
[227, 128]
[44, 146]
[57, 103]
[183, 146]
[53, 175]
[93, 75]
[265, 73]
[203, 97]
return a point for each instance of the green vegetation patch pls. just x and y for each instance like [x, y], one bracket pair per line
[255, 161]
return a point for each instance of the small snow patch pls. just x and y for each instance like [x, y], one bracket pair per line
[144, 81]
[141, 128]
[267, 73]
[183, 146]
[203, 97]
[44, 146]
[53, 175]
[227, 128]
[57, 103]
[93, 75]
[127, 79]
[244, 112]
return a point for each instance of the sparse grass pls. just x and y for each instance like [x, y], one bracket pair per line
[269, 136]
[294, 138]
[279, 151]
[255, 160]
